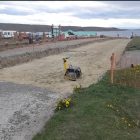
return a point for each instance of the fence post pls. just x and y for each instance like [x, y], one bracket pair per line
[112, 59]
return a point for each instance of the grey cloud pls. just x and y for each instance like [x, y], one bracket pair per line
[124, 4]
[120, 9]
[13, 9]
[110, 12]
[10, 11]
[59, 10]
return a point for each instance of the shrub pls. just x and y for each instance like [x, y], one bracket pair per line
[63, 104]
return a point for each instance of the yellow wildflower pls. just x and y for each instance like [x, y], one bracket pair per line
[67, 103]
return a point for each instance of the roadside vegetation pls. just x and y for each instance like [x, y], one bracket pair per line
[128, 76]
[100, 112]
[134, 44]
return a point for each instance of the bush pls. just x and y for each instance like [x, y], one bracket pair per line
[62, 104]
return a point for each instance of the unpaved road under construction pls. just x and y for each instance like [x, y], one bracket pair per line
[29, 91]
[16, 56]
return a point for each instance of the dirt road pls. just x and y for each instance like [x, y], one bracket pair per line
[47, 72]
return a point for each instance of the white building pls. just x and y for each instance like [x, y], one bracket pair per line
[8, 34]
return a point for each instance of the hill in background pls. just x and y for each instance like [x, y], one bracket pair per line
[47, 28]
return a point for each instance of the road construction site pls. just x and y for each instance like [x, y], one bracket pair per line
[29, 91]
[27, 53]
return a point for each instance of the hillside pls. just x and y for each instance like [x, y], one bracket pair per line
[46, 28]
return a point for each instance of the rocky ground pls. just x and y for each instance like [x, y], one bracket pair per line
[23, 109]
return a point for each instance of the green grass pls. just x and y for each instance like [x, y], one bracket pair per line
[90, 118]
[128, 76]
[134, 44]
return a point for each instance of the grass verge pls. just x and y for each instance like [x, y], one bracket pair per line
[100, 112]
[128, 76]
[134, 44]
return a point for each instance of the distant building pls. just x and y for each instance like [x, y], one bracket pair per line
[72, 34]
[8, 34]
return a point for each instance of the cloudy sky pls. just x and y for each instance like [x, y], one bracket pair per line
[121, 14]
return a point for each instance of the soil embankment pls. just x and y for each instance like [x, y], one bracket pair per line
[128, 58]
[21, 55]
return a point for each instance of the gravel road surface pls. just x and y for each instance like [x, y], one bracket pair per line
[23, 110]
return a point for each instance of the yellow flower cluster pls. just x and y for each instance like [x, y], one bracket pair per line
[62, 104]
[128, 76]
[129, 122]
[66, 102]
[110, 105]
